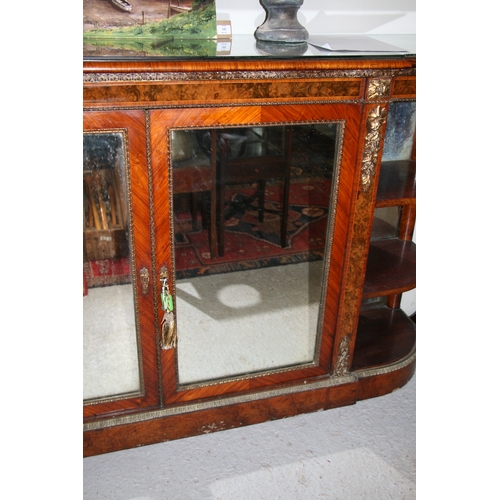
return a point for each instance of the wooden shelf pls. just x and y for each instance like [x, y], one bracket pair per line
[391, 267]
[396, 185]
[384, 336]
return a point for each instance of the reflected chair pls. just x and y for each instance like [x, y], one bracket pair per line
[193, 173]
[249, 155]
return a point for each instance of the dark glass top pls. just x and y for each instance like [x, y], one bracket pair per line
[247, 47]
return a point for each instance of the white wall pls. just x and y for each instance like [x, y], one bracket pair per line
[329, 16]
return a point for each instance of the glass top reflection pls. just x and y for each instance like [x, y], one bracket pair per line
[246, 46]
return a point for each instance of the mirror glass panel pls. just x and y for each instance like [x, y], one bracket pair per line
[110, 352]
[399, 132]
[253, 208]
[385, 223]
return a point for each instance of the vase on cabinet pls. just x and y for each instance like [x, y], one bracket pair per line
[281, 24]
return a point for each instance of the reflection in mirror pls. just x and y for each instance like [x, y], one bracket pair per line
[253, 208]
[385, 223]
[110, 355]
[373, 303]
[400, 129]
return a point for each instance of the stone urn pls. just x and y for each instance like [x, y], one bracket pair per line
[281, 24]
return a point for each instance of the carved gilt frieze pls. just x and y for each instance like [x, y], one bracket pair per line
[342, 364]
[378, 88]
[170, 76]
[376, 118]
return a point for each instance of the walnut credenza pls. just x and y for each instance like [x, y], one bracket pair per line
[362, 345]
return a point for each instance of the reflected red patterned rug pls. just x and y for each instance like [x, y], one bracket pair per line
[250, 244]
[106, 272]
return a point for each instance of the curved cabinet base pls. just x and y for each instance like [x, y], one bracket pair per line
[378, 382]
[157, 426]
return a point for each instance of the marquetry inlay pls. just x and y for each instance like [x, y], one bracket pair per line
[404, 87]
[217, 91]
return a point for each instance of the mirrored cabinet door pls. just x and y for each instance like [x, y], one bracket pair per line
[117, 273]
[111, 350]
[252, 212]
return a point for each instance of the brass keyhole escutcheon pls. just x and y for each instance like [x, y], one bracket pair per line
[144, 276]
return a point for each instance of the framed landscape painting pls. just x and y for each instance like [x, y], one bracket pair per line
[163, 27]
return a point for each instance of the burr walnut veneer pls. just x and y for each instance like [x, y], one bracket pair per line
[365, 345]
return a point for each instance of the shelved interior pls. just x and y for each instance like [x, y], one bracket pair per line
[385, 333]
